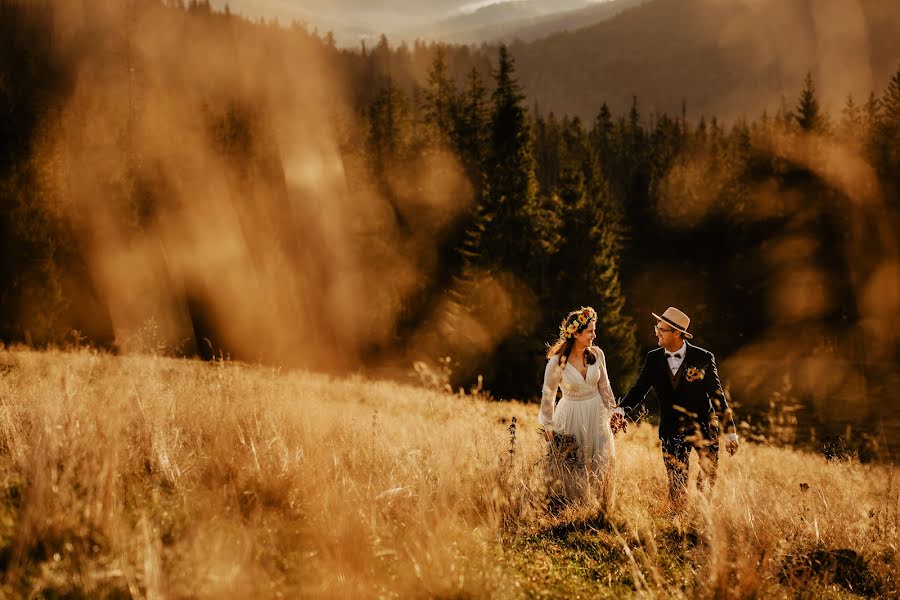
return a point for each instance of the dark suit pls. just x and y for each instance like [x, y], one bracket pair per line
[689, 404]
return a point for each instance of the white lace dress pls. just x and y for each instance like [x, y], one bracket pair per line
[583, 411]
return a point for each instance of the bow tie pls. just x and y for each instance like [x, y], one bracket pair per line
[676, 355]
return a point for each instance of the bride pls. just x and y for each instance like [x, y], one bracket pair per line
[578, 427]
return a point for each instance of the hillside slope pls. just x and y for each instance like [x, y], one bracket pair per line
[525, 21]
[146, 476]
[722, 58]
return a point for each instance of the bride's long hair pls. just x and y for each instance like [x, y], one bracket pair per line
[563, 346]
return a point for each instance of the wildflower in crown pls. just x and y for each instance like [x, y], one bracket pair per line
[575, 324]
[577, 321]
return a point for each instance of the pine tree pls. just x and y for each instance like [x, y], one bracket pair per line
[440, 112]
[808, 114]
[510, 161]
[890, 103]
[387, 117]
[871, 114]
[380, 58]
[471, 128]
[630, 180]
[472, 143]
[851, 126]
[521, 233]
[666, 143]
[783, 116]
[886, 138]
[547, 150]
[601, 139]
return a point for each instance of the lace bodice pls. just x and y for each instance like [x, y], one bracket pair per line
[574, 386]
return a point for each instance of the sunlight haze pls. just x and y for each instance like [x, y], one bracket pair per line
[354, 20]
[344, 299]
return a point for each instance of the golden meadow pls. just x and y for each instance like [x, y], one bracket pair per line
[150, 477]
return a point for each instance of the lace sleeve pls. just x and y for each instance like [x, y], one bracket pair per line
[552, 375]
[603, 384]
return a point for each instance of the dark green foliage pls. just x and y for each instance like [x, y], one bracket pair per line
[890, 103]
[808, 114]
[471, 129]
[586, 267]
[441, 113]
[388, 118]
[518, 236]
[851, 124]
[885, 118]
[513, 233]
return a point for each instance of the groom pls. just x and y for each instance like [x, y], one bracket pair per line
[691, 400]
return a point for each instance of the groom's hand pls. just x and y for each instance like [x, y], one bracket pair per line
[731, 443]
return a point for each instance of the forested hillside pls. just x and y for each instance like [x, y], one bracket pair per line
[723, 59]
[185, 178]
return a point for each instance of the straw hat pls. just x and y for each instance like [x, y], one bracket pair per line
[676, 319]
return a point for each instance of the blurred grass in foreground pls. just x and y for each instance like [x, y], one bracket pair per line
[144, 476]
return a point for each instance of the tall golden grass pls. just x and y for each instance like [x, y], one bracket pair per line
[152, 477]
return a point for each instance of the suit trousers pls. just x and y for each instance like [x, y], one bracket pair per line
[676, 452]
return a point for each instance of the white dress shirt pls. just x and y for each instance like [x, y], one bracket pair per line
[675, 361]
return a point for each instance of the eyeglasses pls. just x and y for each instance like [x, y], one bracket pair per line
[658, 329]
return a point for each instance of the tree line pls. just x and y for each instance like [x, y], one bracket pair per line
[580, 211]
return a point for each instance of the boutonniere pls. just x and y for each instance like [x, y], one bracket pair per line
[695, 374]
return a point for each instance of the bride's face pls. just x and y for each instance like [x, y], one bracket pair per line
[586, 337]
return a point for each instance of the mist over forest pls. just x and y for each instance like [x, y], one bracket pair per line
[178, 179]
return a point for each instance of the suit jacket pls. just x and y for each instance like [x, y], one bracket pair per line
[689, 401]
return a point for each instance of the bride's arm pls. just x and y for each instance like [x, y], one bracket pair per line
[552, 374]
[603, 385]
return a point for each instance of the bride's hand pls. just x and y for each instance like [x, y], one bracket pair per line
[548, 433]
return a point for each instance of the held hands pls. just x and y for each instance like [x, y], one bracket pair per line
[731, 443]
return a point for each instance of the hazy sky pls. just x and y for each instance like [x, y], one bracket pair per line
[356, 18]
[383, 13]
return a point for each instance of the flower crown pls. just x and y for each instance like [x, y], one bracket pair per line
[577, 322]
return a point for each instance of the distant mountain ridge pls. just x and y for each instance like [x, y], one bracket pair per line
[502, 21]
[569, 20]
[722, 58]
[524, 20]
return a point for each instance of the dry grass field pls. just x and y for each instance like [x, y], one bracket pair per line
[151, 477]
